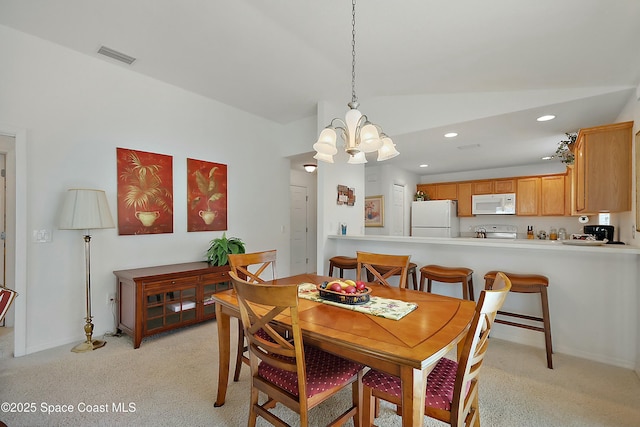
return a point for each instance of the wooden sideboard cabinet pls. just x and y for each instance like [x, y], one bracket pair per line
[158, 299]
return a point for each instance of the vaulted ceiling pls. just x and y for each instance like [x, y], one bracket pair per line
[277, 59]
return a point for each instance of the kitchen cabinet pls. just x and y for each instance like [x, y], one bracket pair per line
[447, 191]
[444, 191]
[602, 169]
[527, 196]
[464, 198]
[482, 187]
[158, 299]
[552, 195]
[501, 186]
[429, 190]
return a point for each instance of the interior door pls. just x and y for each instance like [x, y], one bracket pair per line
[299, 229]
[397, 221]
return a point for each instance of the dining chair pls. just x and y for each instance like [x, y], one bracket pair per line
[250, 267]
[452, 387]
[393, 265]
[6, 298]
[288, 372]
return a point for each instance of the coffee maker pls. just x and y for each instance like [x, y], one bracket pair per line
[601, 232]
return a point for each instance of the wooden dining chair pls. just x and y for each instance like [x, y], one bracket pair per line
[287, 371]
[394, 265]
[251, 268]
[452, 387]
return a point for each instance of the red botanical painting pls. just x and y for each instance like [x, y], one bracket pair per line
[206, 196]
[145, 192]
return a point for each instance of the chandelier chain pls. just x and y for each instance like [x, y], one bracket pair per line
[354, 98]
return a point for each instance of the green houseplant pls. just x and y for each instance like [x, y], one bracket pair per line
[565, 149]
[221, 247]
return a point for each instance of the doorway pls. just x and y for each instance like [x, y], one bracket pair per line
[299, 230]
[397, 219]
[13, 149]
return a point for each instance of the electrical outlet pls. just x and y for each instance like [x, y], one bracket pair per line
[111, 298]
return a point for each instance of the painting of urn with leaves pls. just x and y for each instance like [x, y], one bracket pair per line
[207, 196]
[145, 192]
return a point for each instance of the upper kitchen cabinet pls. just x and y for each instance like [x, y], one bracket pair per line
[501, 186]
[552, 195]
[528, 196]
[446, 191]
[602, 170]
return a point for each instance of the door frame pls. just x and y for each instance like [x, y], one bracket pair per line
[16, 217]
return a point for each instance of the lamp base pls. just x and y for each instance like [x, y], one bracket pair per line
[88, 346]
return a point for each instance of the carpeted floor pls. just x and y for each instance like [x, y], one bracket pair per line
[171, 381]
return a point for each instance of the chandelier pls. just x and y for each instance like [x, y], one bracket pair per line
[360, 136]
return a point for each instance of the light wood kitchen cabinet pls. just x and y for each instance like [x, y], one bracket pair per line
[482, 187]
[464, 198]
[444, 191]
[428, 189]
[527, 196]
[447, 191]
[602, 169]
[552, 195]
[501, 186]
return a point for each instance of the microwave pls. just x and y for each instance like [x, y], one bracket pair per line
[493, 204]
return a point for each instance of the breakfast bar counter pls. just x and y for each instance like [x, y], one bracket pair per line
[593, 290]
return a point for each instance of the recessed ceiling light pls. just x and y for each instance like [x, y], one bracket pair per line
[546, 118]
[424, 166]
[450, 135]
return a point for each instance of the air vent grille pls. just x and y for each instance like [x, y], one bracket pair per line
[118, 56]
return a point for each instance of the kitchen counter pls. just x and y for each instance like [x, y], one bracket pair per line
[594, 298]
[552, 245]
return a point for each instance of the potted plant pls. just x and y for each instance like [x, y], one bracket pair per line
[565, 149]
[221, 247]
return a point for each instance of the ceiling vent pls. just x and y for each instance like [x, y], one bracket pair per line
[118, 56]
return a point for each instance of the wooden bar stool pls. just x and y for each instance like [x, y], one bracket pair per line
[528, 283]
[411, 273]
[342, 263]
[439, 273]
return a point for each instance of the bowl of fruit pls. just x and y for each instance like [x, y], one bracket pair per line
[345, 291]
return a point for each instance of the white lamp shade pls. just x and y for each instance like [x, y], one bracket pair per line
[84, 209]
[388, 149]
[327, 158]
[369, 139]
[357, 158]
[326, 143]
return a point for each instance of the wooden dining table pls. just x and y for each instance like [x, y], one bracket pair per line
[407, 348]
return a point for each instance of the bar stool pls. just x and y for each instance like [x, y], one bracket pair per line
[411, 273]
[439, 273]
[528, 283]
[342, 263]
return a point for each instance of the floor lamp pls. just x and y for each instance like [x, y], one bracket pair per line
[84, 209]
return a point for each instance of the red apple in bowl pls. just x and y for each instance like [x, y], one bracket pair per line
[335, 287]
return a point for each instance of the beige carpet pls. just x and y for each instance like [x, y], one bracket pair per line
[171, 381]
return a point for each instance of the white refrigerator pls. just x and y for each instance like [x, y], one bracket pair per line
[435, 218]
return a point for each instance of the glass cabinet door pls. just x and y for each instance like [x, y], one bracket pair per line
[170, 307]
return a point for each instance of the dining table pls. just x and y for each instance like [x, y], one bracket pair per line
[408, 347]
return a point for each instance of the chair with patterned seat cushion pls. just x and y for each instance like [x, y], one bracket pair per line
[6, 298]
[250, 267]
[452, 387]
[392, 265]
[287, 371]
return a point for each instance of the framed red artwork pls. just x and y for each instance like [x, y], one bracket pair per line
[206, 196]
[145, 192]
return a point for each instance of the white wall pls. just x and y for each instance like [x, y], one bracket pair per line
[75, 110]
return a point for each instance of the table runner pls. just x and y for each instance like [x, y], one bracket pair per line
[377, 306]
